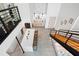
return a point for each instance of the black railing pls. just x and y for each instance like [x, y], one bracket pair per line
[70, 33]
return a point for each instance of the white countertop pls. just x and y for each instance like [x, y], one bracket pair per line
[27, 41]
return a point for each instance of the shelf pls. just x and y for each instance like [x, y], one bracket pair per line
[35, 41]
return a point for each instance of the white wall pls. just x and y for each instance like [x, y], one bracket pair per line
[52, 11]
[1, 6]
[67, 11]
[24, 11]
[75, 26]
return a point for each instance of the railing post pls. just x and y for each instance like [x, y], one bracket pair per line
[68, 38]
[67, 33]
[58, 31]
[55, 33]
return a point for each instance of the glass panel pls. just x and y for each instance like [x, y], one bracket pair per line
[3, 33]
[9, 18]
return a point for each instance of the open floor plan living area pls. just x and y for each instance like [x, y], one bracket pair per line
[39, 29]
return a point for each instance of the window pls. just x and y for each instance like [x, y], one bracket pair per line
[9, 19]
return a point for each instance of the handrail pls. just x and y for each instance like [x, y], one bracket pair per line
[69, 32]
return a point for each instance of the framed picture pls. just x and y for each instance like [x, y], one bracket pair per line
[71, 20]
[65, 22]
